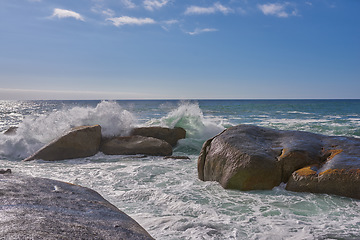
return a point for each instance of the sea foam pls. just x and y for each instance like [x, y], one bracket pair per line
[35, 131]
[189, 116]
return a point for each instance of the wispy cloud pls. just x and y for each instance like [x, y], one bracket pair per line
[217, 7]
[202, 30]
[241, 11]
[108, 12]
[125, 20]
[100, 10]
[172, 21]
[128, 3]
[155, 4]
[63, 13]
[276, 9]
[167, 24]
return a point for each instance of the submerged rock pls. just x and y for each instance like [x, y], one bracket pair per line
[169, 135]
[133, 145]
[40, 208]
[177, 157]
[7, 171]
[80, 142]
[248, 157]
[11, 131]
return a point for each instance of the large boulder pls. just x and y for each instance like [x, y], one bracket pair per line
[39, 208]
[132, 145]
[79, 142]
[248, 157]
[167, 134]
[339, 174]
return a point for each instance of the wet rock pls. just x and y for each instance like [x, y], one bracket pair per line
[7, 171]
[167, 134]
[39, 208]
[80, 142]
[177, 157]
[338, 174]
[248, 157]
[133, 145]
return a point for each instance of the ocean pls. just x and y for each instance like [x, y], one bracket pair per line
[165, 195]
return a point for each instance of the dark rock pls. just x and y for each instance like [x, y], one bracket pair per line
[11, 131]
[7, 171]
[39, 208]
[167, 134]
[80, 142]
[177, 157]
[133, 145]
[249, 157]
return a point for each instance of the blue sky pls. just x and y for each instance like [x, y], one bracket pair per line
[179, 49]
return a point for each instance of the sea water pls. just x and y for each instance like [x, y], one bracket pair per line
[165, 196]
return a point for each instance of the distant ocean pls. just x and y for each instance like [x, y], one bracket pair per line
[165, 196]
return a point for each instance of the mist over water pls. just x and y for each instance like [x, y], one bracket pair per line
[165, 196]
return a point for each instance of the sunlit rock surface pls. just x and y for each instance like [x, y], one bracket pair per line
[248, 157]
[79, 142]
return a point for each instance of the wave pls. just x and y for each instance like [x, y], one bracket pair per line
[37, 130]
[189, 116]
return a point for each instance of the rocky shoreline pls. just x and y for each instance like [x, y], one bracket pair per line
[86, 141]
[41, 208]
[248, 157]
[243, 157]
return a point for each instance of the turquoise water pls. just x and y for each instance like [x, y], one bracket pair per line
[165, 196]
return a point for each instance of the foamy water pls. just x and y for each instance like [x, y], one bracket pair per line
[165, 196]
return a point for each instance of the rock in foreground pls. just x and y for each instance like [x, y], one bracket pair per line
[133, 145]
[80, 142]
[38, 208]
[248, 157]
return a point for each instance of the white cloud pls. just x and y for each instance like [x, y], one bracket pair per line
[100, 10]
[108, 12]
[125, 20]
[62, 13]
[202, 30]
[217, 7]
[170, 22]
[221, 8]
[166, 25]
[128, 3]
[276, 9]
[155, 4]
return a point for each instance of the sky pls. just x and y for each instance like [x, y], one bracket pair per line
[179, 49]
